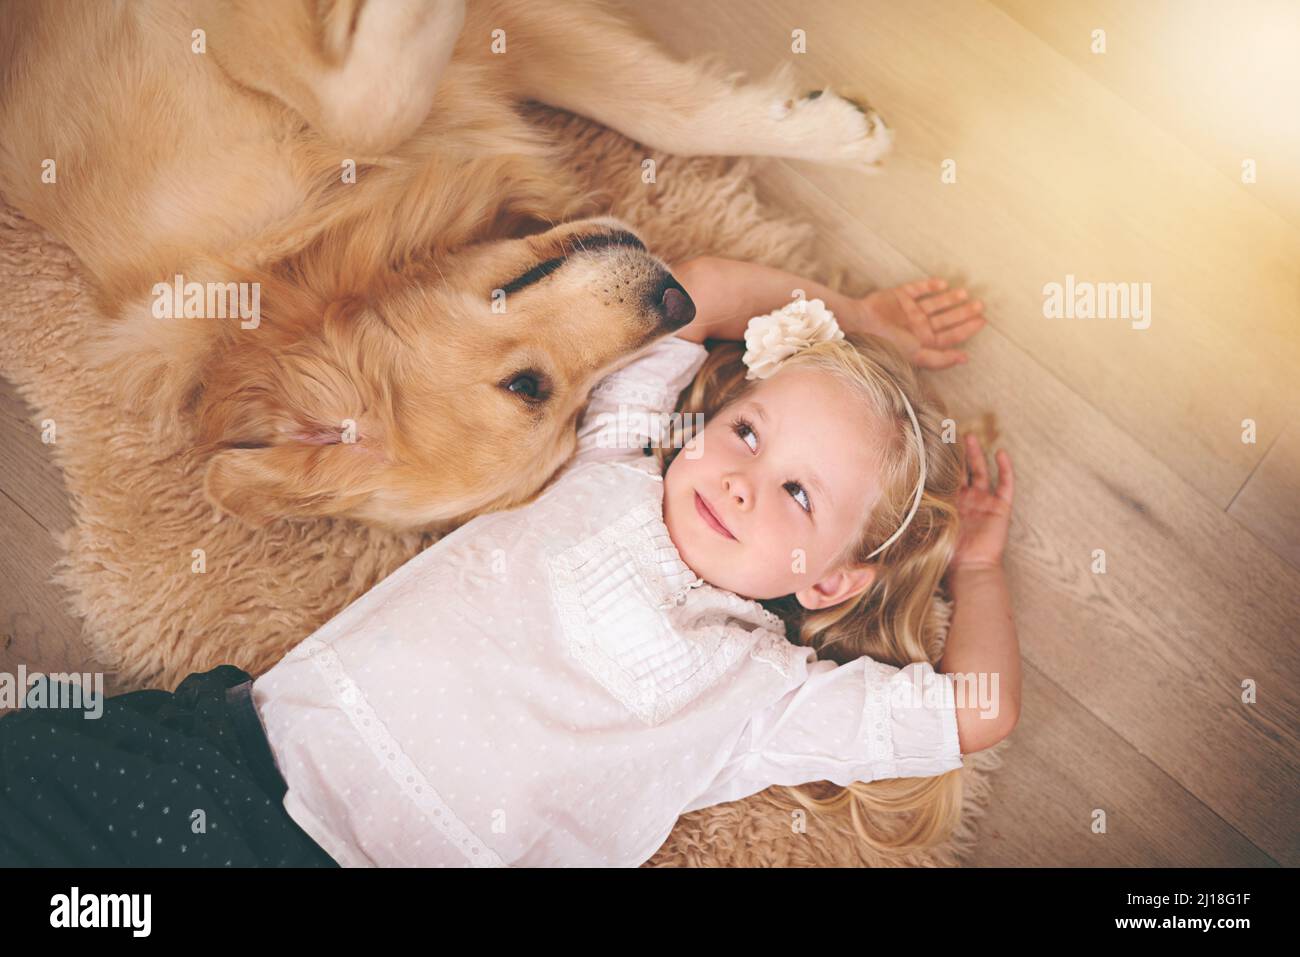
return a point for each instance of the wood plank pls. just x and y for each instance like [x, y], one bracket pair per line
[36, 628]
[28, 472]
[1269, 502]
[1060, 766]
[1057, 177]
[1222, 78]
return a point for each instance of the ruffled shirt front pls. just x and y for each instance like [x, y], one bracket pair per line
[552, 685]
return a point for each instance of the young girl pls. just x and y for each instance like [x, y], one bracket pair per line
[662, 629]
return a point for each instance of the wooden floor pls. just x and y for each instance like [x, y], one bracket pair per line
[1161, 694]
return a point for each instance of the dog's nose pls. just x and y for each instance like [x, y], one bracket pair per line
[673, 303]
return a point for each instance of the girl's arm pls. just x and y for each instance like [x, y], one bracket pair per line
[919, 317]
[982, 644]
[729, 292]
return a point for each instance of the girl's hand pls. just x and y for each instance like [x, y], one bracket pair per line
[984, 516]
[922, 320]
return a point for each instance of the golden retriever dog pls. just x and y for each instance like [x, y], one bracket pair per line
[321, 234]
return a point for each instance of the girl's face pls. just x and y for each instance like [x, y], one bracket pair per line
[789, 471]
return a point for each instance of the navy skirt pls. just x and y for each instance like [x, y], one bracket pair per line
[159, 779]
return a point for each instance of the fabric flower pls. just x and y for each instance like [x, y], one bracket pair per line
[778, 335]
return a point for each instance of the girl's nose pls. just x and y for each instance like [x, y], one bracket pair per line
[738, 489]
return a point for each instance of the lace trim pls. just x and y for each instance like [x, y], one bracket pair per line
[776, 651]
[876, 718]
[747, 608]
[390, 754]
[764, 646]
[951, 743]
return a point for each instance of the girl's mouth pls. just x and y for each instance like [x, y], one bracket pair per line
[710, 518]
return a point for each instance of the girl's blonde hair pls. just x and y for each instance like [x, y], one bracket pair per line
[892, 621]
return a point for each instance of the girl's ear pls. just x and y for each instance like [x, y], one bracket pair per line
[838, 586]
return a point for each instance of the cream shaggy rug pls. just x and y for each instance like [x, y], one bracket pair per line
[140, 513]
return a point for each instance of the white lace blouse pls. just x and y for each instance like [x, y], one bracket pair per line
[553, 686]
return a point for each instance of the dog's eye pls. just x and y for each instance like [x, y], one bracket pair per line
[529, 384]
[525, 385]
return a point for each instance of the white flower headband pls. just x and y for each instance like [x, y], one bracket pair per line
[773, 338]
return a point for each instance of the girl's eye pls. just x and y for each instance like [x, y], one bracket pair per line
[746, 433]
[796, 490]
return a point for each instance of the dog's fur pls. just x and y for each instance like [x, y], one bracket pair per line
[379, 381]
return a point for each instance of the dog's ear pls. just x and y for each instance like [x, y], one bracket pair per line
[293, 424]
[320, 473]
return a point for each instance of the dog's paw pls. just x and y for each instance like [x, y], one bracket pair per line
[840, 129]
[388, 56]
